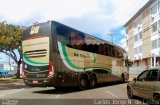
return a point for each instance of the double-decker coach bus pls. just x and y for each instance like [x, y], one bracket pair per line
[59, 56]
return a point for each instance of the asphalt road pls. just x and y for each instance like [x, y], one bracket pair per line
[109, 93]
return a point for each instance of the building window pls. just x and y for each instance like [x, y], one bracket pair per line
[138, 37]
[159, 23]
[159, 6]
[159, 42]
[138, 50]
[154, 44]
[138, 22]
[135, 24]
[135, 51]
[154, 27]
[135, 38]
[154, 9]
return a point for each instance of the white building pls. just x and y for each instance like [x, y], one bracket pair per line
[143, 31]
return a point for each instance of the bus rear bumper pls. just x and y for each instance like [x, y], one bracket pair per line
[45, 82]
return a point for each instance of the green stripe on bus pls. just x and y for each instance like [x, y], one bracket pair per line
[67, 58]
[33, 62]
[76, 67]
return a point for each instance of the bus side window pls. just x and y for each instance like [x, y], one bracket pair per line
[89, 48]
[63, 34]
[84, 47]
[77, 39]
[116, 52]
[100, 48]
[109, 50]
[95, 48]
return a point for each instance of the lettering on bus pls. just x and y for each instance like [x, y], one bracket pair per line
[81, 55]
[34, 30]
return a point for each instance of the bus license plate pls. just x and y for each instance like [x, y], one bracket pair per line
[35, 82]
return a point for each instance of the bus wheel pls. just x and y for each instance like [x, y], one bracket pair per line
[26, 83]
[83, 83]
[157, 98]
[92, 82]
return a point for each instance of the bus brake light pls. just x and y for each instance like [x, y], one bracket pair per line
[51, 69]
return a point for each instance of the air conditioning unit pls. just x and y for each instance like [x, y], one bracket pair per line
[152, 19]
[152, 54]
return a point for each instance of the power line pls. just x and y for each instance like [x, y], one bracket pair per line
[129, 12]
[149, 27]
[142, 39]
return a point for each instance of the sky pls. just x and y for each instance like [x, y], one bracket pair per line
[99, 18]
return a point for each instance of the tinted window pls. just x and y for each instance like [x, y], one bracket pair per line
[77, 40]
[158, 76]
[63, 34]
[69, 36]
[153, 75]
[41, 29]
[101, 71]
[142, 76]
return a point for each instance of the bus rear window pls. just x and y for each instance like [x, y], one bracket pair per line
[42, 29]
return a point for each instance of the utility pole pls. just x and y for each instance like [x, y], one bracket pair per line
[9, 64]
[111, 37]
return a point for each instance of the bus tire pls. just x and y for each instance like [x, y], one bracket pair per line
[26, 83]
[92, 81]
[157, 98]
[83, 83]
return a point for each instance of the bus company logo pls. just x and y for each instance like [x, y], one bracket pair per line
[34, 30]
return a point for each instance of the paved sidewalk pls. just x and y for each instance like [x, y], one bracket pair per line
[9, 83]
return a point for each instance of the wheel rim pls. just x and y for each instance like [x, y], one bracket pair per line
[83, 82]
[92, 82]
[129, 92]
[157, 97]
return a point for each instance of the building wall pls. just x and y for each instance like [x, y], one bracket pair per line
[138, 67]
[148, 54]
[146, 39]
[155, 35]
[130, 41]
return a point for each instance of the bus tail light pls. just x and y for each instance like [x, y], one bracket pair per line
[51, 69]
[23, 73]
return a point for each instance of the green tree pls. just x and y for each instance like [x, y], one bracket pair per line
[10, 42]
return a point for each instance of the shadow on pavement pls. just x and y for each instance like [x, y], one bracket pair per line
[74, 89]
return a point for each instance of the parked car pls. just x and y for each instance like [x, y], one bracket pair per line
[146, 85]
[3, 73]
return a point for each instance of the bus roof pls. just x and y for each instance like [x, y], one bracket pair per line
[53, 21]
